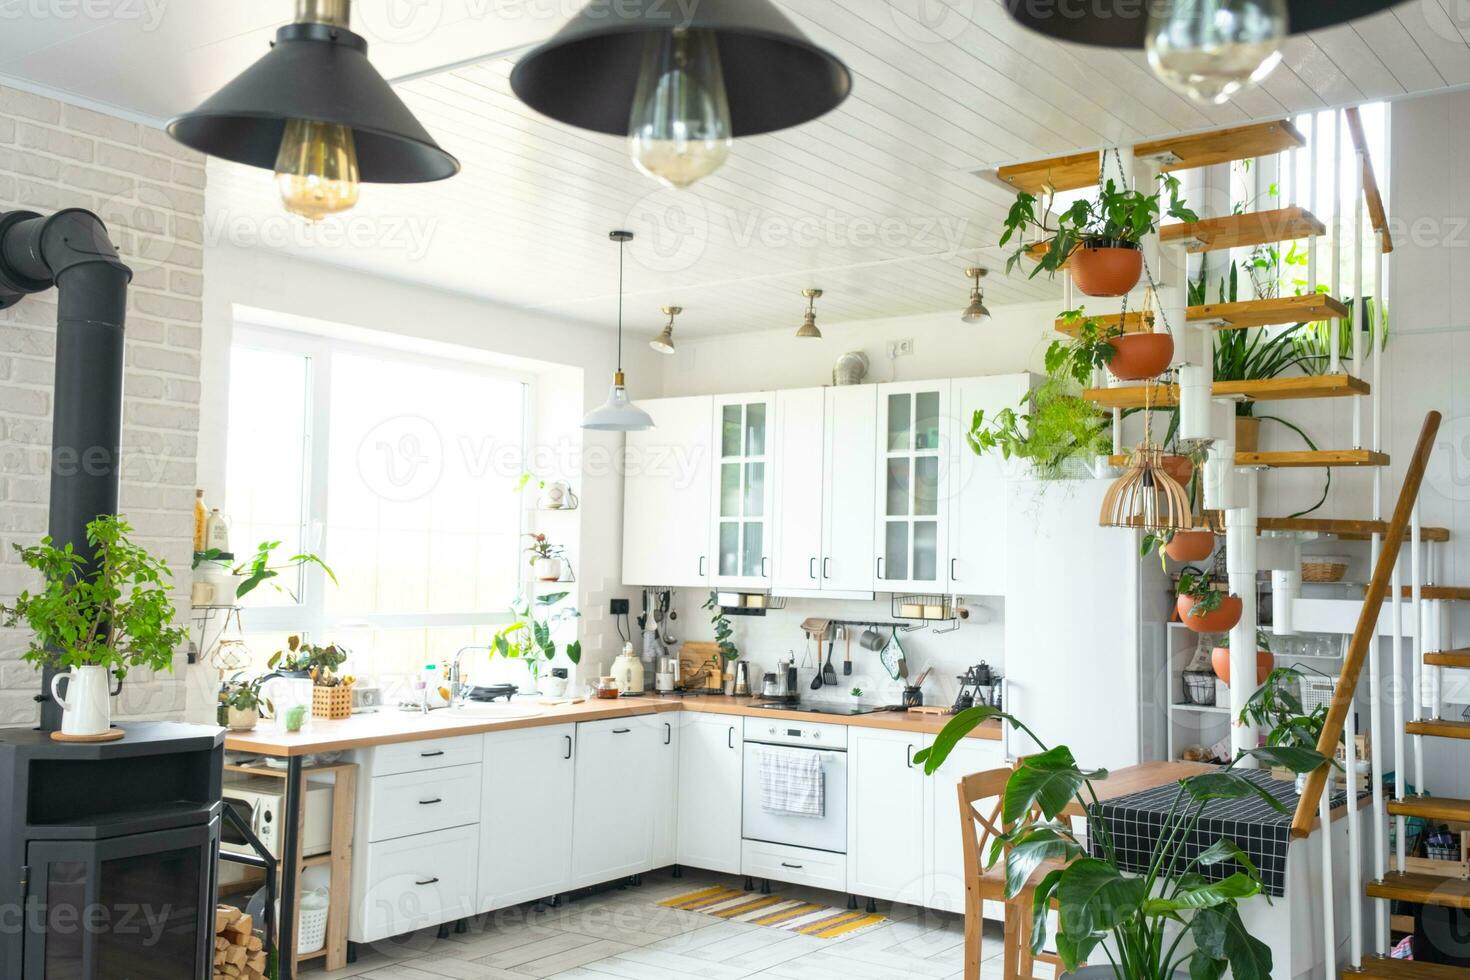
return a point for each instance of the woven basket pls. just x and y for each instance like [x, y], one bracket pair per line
[1323, 568]
[331, 703]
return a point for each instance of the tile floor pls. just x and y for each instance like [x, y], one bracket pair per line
[624, 934]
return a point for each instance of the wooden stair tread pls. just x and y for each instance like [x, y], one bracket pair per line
[1446, 592]
[1293, 460]
[1270, 389]
[1233, 316]
[1422, 889]
[1244, 230]
[1439, 727]
[1431, 807]
[1347, 530]
[1076, 170]
[1450, 658]
[1382, 966]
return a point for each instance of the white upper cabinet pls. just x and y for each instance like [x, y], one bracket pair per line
[977, 487]
[742, 533]
[666, 495]
[850, 450]
[801, 432]
[912, 531]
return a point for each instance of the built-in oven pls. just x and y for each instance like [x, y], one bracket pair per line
[260, 802]
[766, 742]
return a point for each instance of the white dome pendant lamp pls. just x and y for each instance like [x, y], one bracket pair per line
[618, 413]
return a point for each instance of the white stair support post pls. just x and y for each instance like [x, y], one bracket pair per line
[1416, 606]
[1312, 204]
[1240, 563]
[1397, 667]
[1360, 319]
[1334, 325]
[1381, 936]
[1355, 851]
[1329, 891]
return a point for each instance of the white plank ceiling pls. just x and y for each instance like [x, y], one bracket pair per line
[879, 203]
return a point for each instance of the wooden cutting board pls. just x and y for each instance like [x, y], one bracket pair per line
[695, 657]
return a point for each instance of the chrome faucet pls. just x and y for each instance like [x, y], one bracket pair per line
[458, 689]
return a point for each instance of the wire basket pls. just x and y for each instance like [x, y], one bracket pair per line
[925, 607]
[1442, 847]
[1199, 688]
[1317, 691]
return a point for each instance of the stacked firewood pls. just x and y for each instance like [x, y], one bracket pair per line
[239, 954]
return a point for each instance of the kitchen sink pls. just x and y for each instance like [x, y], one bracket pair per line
[497, 710]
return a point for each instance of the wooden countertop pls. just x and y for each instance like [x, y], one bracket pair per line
[389, 725]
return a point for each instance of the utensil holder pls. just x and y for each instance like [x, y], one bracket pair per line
[913, 697]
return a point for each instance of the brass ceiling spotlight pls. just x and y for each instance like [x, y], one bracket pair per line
[664, 342]
[976, 311]
[809, 322]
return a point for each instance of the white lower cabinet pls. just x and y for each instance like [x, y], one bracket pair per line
[710, 777]
[526, 803]
[617, 789]
[885, 815]
[665, 822]
[797, 865]
[413, 882]
[944, 862]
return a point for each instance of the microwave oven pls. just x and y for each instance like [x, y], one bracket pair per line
[260, 802]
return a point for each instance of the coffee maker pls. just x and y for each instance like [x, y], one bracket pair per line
[781, 684]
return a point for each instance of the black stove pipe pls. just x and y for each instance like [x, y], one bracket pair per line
[71, 251]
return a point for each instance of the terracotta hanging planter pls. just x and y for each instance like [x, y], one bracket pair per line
[1220, 660]
[1188, 546]
[1106, 267]
[1219, 621]
[1137, 356]
[1179, 468]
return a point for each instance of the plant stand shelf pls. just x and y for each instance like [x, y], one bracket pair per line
[1269, 389]
[1290, 460]
[1232, 316]
[1244, 230]
[1347, 530]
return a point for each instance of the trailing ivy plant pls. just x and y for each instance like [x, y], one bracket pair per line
[1117, 216]
[1087, 348]
[1054, 425]
[1139, 921]
[1200, 586]
[723, 630]
[105, 606]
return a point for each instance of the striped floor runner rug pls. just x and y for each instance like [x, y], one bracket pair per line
[806, 918]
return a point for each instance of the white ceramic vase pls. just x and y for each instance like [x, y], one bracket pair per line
[86, 708]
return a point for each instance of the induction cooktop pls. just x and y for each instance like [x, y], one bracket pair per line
[820, 707]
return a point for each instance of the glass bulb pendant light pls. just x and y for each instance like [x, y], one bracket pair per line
[679, 130]
[1211, 49]
[316, 169]
[976, 311]
[664, 342]
[618, 413]
[809, 322]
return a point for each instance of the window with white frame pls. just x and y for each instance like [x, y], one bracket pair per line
[399, 470]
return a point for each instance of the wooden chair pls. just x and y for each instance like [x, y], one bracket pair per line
[980, 825]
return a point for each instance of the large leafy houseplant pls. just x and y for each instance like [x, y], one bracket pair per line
[1139, 921]
[529, 636]
[109, 608]
[263, 567]
[1053, 427]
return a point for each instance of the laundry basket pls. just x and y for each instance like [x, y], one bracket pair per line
[312, 925]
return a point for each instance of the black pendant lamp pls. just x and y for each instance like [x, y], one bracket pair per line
[316, 108]
[681, 84]
[1124, 23]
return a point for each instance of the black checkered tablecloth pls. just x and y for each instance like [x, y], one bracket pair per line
[1136, 823]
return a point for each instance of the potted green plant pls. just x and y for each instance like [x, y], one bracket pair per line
[1204, 608]
[304, 659]
[1277, 707]
[1265, 659]
[1127, 356]
[262, 567]
[726, 649]
[98, 613]
[529, 636]
[1055, 429]
[546, 558]
[1139, 921]
[240, 703]
[1098, 238]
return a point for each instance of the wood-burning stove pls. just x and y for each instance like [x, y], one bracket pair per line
[116, 845]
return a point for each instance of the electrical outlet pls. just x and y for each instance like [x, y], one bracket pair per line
[618, 607]
[900, 348]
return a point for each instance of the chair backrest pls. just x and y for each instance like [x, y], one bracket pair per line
[980, 824]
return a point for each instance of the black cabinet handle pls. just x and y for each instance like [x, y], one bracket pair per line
[668, 734]
[701, 566]
[793, 867]
[909, 757]
[952, 576]
[880, 567]
[569, 746]
[730, 739]
[436, 799]
[429, 755]
[826, 568]
[621, 731]
[764, 559]
[811, 568]
[430, 881]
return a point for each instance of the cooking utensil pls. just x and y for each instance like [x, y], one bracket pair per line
[817, 680]
[923, 677]
[829, 676]
[847, 657]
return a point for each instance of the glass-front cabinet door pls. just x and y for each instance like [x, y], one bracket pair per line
[743, 491]
[912, 532]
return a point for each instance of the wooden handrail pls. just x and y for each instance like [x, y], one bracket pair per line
[1366, 631]
[1371, 193]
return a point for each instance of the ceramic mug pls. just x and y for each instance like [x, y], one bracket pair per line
[872, 640]
[85, 710]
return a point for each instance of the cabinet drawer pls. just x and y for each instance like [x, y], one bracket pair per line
[436, 753]
[418, 881]
[419, 802]
[820, 869]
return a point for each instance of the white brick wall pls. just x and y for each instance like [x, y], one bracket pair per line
[149, 190]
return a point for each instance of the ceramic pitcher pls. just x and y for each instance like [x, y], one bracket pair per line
[85, 710]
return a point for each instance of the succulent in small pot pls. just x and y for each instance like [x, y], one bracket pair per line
[1265, 659]
[1202, 607]
[1098, 239]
